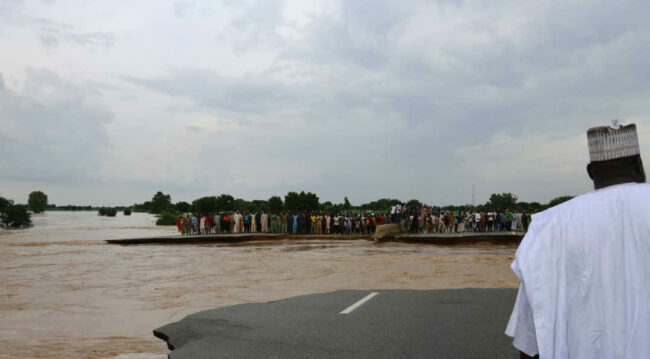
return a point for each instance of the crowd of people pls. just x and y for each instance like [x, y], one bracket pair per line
[425, 220]
[288, 223]
[411, 219]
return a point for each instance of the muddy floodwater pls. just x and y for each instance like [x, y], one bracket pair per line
[67, 294]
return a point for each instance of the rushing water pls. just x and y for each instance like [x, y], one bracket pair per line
[68, 294]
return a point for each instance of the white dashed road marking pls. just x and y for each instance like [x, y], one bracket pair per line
[356, 305]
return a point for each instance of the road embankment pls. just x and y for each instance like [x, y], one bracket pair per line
[431, 238]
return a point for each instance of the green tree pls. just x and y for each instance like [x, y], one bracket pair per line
[142, 207]
[259, 205]
[226, 203]
[245, 206]
[557, 200]
[14, 215]
[18, 216]
[380, 205]
[502, 201]
[535, 207]
[414, 203]
[275, 204]
[160, 202]
[346, 204]
[301, 201]
[4, 208]
[292, 201]
[327, 206]
[204, 205]
[310, 201]
[37, 201]
[4, 204]
[183, 207]
[523, 206]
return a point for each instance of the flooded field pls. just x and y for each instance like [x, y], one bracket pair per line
[67, 294]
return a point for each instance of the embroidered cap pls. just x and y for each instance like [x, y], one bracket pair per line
[612, 142]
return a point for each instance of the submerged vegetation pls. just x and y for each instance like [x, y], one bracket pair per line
[14, 215]
[108, 212]
[167, 218]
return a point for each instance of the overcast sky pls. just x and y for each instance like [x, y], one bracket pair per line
[106, 102]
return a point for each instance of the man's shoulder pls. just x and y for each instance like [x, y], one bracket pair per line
[628, 193]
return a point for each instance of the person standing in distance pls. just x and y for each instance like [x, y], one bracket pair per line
[584, 265]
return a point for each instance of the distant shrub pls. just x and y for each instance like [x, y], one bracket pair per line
[167, 218]
[127, 212]
[73, 208]
[108, 212]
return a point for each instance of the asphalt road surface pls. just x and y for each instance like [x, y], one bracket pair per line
[458, 323]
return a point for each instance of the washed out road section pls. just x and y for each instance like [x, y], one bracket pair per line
[457, 323]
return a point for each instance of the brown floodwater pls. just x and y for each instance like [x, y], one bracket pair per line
[67, 294]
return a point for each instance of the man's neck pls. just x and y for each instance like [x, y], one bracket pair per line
[612, 182]
[617, 171]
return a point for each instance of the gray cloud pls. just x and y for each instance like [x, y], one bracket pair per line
[412, 99]
[50, 132]
[258, 22]
[8, 7]
[52, 34]
[211, 90]
[556, 73]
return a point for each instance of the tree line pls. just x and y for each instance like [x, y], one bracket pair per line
[310, 202]
[14, 215]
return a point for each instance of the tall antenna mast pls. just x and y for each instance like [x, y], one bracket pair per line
[473, 196]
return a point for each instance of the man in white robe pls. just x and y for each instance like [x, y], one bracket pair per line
[253, 223]
[584, 265]
[237, 218]
[265, 222]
